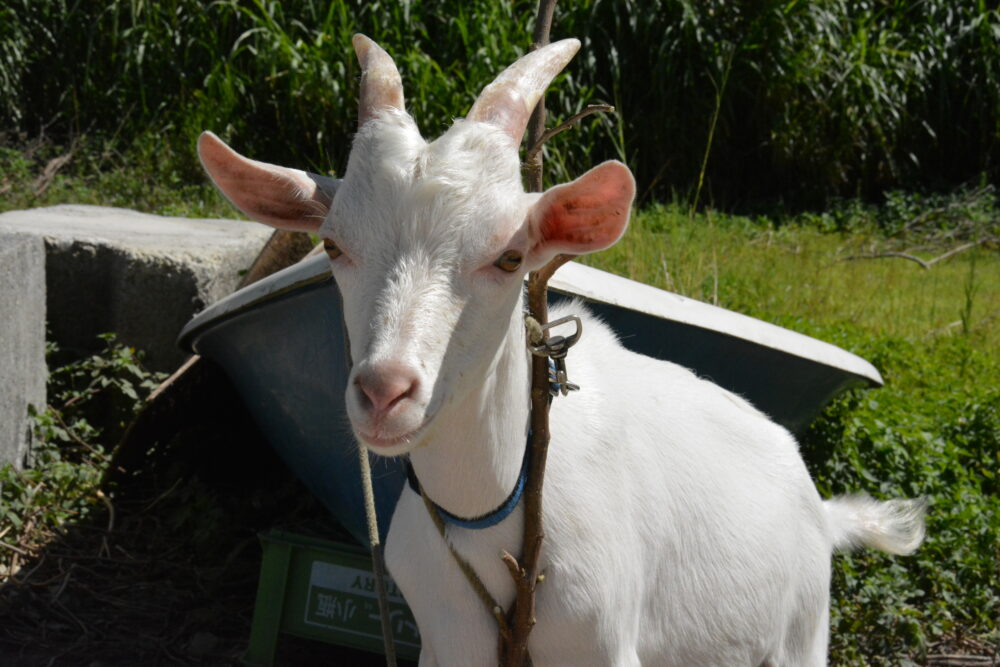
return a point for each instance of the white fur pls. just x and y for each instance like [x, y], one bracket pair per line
[681, 525]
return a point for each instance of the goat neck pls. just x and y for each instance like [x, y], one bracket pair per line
[474, 458]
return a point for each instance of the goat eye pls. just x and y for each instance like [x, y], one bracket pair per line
[509, 261]
[331, 249]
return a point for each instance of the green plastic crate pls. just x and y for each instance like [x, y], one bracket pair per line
[323, 590]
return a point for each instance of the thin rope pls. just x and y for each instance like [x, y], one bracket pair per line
[378, 562]
[477, 584]
[492, 606]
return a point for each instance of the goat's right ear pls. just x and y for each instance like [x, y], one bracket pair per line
[278, 196]
[585, 215]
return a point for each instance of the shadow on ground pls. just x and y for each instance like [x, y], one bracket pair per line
[165, 572]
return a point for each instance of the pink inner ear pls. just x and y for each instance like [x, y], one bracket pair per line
[587, 215]
[580, 223]
[277, 196]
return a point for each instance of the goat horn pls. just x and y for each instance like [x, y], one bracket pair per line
[381, 86]
[509, 100]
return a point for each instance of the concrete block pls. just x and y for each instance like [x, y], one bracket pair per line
[141, 276]
[22, 341]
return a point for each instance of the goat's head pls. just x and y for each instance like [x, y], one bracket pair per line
[429, 241]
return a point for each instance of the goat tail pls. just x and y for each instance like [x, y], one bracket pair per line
[893, 526]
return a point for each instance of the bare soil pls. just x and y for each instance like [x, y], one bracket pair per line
[166, 572]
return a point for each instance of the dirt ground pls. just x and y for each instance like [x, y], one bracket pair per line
[166, 572]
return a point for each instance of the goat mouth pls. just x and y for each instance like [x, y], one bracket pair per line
[384, 443]
[393, 446]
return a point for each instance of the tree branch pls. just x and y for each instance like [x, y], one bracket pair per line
[536, 124]
[562, 127]
[955, 251]
[513, 638]
[883, 255]
[925, 264]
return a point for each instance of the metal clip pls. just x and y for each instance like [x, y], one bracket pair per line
[556, 348]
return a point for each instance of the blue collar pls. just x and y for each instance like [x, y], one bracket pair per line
[499, 514]
[490, 518]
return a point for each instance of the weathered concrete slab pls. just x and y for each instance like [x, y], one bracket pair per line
[141, 276]
[22, 341]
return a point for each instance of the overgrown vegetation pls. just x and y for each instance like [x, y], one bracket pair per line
[98, 176]
[806, 99]
[935, 439]
[837, 102]
[158, 566]
[90, 402]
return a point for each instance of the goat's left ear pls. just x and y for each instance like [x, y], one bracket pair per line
[285, 198]
[585, 215]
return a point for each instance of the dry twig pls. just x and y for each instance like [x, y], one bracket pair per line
[52, 168]
[889, 253]
[958, 660]
[925, 264]
[565, 125]
[17, 550]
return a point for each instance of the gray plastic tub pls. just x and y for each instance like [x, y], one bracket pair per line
[280, 342]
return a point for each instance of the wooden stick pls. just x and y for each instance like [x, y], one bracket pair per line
[513, 639]
[959, 660]
[536, 124]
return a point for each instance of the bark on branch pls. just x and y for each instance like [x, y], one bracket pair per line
[536, 124]
[924, 263]
[513, 636]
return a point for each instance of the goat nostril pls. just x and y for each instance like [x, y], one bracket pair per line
[382, 394]
[363, 394]
[407, 392]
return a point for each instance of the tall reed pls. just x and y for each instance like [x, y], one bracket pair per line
[838, 97]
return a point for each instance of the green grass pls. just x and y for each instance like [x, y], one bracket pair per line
[797, 268]
[803, 101]
[98, 176]
[933, 430]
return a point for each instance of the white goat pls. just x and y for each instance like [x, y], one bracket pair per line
[681, 525]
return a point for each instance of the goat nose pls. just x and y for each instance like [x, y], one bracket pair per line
[384, 387]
